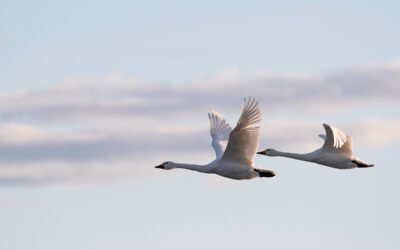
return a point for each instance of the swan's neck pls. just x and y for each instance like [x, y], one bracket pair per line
[303, 157]
[194, 167]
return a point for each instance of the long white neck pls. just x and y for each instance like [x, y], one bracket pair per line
[303, 157]
[198, 168]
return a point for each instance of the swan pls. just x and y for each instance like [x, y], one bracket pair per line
[234, 149]
[336, 152]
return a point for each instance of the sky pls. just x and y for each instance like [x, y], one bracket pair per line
[94, 94]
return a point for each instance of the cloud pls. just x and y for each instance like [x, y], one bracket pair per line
[335, 92]
[120, 155]
[101, 130]
[35, 145]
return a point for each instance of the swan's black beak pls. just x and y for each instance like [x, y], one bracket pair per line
[160, 166]
[264, 152]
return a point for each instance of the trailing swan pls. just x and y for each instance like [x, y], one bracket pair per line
[336, 152]
[235, 149]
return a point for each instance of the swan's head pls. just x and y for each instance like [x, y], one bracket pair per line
[166, 165]
[268, 151]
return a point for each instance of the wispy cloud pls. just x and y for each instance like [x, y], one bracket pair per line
[112, 128]
[335, 92]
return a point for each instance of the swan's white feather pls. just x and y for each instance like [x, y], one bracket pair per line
[219, 130]
[337, 141]
[243, 140]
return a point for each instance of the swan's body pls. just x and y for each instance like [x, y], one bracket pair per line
[336, 152]
[234, 149]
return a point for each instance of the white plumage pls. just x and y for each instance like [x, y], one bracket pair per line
[235, 149]
[219, 131]
[336, 152]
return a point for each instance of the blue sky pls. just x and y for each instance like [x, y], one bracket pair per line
[45, 42]
[94, 94]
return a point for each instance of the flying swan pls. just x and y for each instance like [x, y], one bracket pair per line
[336, 151]
[234, 149]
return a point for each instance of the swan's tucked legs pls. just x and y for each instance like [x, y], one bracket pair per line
[265, 173]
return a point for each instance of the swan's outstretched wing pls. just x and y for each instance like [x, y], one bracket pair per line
[219, 130]
[337, 141]
[243, 140]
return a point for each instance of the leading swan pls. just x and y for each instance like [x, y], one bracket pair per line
[336, 152]
[235, 149]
